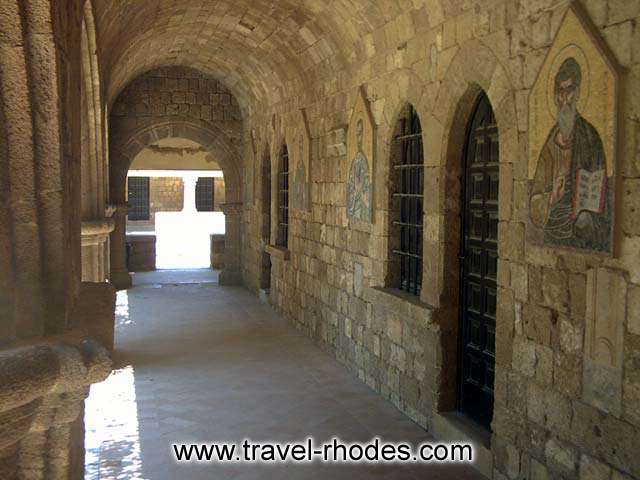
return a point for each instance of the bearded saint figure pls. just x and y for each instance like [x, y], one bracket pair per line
[570, 193]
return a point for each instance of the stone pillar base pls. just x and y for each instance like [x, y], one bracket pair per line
[230, 277]
[121, 280]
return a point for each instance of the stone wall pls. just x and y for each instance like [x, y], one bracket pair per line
[166, 194]
[549, 420]
[219, 195]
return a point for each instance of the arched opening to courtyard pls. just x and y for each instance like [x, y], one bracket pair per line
[175, 193]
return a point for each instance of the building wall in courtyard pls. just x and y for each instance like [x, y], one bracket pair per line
[331, 282]
[166, 194]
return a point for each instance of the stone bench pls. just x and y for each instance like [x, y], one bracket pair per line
[217, 250]
[141, 252]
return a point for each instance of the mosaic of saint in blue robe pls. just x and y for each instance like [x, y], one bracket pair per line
[359, 191]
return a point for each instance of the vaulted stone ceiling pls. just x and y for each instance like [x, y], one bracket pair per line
[258, 48]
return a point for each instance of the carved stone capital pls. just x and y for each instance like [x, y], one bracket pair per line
[120, 209]
[232, 208]
[96, 231]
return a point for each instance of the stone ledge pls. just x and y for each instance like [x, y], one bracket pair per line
[100, 227]
[278, 252]
[399, 301]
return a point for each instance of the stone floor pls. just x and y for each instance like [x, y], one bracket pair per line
[203, 363]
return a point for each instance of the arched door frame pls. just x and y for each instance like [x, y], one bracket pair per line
[214, 141]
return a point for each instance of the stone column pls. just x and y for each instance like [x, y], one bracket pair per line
[231, 274]
[189, 204]
[94, 236]
[120, 277]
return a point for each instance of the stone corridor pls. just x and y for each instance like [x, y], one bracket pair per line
[204, 363]
[431, 230]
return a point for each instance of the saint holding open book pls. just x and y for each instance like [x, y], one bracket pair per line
[570, 191]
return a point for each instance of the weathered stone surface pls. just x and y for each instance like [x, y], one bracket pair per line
[555, 289]
[633, 313]
[561, 456]
[537, 324]
[631, 211]
[592, 469]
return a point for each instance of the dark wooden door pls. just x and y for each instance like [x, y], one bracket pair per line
[479, 266]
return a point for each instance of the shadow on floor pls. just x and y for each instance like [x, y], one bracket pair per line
[203, 363]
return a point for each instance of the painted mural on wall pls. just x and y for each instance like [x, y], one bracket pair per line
[301, 152]
[249, 192]
[360, 153]
[572, 136]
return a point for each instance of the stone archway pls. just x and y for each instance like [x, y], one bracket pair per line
[214, 141]
[473, 72]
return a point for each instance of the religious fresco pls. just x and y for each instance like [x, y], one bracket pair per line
[249, 192]
[360, 153]
[300, 150]
[572, 142]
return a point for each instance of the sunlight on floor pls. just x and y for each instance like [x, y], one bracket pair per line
[112, 441]
[122, 309]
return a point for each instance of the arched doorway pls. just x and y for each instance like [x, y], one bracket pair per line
[214, 143]
[479, 265]
[175, 193]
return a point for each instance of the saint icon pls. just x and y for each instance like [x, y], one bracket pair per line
[359, 194]
[570, 189]
[300, 180]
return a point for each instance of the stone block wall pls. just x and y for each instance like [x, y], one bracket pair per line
[218, 194]
[174, 92]
[166, 194]
[558, 414]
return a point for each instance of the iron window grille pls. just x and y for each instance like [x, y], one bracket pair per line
[283, 199]
[138, 198]
[408, 199]
[204, 194]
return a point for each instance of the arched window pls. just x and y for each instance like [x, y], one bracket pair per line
[283, 198]
[406, 209]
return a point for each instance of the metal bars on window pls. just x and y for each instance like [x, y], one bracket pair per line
[408, 197]
[283, 199]
[204, 194]
[138, 198]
